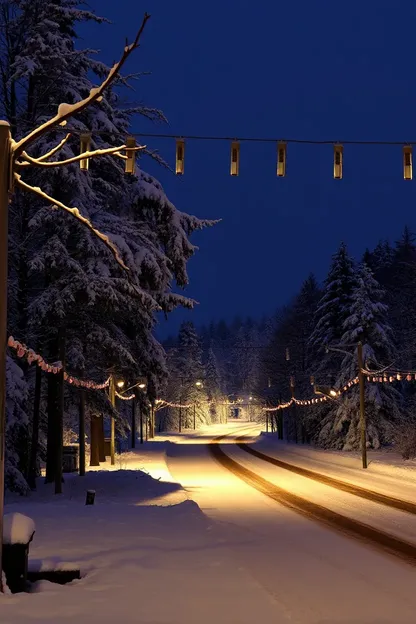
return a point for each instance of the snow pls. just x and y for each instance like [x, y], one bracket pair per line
[17, 529]
[175, 538]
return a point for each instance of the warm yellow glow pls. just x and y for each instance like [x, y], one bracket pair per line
[131, 156]
[120, 383]
[199, 384]
[85, 145]
[338, 157]
[180, 156]
[235, 158]
[142, 386]
[281, 159]
[407, 162]
[333, 392]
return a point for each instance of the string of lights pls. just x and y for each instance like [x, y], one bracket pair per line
[22, 351]
[313, 400]
[129, 149]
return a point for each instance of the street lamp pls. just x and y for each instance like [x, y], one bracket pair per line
[120, 383]
[199, 385]
[142, 385]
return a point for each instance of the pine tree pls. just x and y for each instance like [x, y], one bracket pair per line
[61, 276]
[333, 310]
[366, 323]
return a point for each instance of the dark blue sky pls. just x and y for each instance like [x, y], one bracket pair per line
[294, 69]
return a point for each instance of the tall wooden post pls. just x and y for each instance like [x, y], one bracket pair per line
[112, 390]
[81, 433]
[363, 424]
[4, 209]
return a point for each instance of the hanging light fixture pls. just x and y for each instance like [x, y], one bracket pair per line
[235, 158]
[281, 159]
[180, 156]
[287, 354]
[407, 162]
[85, 144]
[338, 153]
[131, 155]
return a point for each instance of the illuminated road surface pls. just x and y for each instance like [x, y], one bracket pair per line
[311, 574]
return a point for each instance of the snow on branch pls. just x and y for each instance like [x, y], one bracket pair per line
[55, 149]
[39, 162]
[65, 111]
[76, 214]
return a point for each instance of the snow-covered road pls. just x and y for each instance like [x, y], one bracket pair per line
[151, 557]
[313, 574]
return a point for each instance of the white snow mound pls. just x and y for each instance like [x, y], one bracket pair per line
[17, 529]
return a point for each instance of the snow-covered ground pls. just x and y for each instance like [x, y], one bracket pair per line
[211, 549]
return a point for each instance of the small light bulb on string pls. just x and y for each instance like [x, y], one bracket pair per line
[338, 158]
[180, 156]
[85, 146]
[407, 162]
[281, 159]
[235, 158]
[130, 166]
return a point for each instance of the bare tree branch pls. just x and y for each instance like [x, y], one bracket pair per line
[65, 111]
[38, 162]
[55, 149]
[76, 214]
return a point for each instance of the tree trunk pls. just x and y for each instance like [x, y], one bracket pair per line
[52, 402]
[133, 423]
[94, 441]
[33, 465]
[81, 433]
[60, 414]
[101, 440]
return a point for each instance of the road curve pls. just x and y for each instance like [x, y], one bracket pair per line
[405, 551]
[356, 490]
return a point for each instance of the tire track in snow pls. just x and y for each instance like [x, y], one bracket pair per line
[312, 511]
[356, 490]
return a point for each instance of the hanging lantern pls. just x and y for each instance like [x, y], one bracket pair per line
[391, 379]
[281, 159]
[398, 377]
[292, 382]
[312, 380]
[407, 162]
[409, 377]
[338, 153]
[180, 156]
[85, 144]
[131, 155]
[287, 354]
[235, 158]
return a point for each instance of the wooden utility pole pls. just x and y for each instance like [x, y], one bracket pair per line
[194, 416]
[4, 211]
[133, 423]
[101, 438]
[112, 390]
[363, 425]
[60, 414]
[81, 433]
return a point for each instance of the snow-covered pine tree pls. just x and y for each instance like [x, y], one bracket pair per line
[332, 311]
[185, 371]
[366, 323]
[213, 387]
[61, 275]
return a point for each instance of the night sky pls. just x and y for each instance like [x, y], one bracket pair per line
[293, 69]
